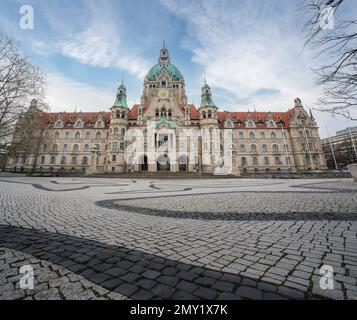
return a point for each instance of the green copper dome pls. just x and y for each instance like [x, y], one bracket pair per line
[156, 70]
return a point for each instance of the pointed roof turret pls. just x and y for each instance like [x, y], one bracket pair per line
[206, 95]
[120, 101]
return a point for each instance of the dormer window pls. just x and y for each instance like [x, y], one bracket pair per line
[58, 124]
[78, 124]
[163, 83]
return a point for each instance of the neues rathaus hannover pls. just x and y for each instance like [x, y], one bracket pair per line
[166, 133]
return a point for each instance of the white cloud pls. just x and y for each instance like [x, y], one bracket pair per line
[65, 94]
[245, 47]
[249, 45]
[97, 49]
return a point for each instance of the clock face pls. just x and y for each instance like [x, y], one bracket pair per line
[163, 94]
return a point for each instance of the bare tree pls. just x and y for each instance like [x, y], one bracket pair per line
[20, 81]
[337, 47]
[30, 135]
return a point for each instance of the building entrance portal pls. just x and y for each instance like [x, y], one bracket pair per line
[163, 163]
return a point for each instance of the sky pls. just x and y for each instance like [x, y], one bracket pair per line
[252, 51]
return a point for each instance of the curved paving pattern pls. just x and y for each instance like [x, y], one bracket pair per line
[239, 239]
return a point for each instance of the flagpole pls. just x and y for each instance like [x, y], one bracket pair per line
[333, 153]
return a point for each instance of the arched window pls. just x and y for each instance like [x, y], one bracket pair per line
[78, 124]
[53, 160]
[244, 161]
[66, 135]
[99, 124]
[63, 160]
[87, 135]
[204, 116]
[98, 135]
[273, 135]
[54, 148]
[255, 161]
[85, 161]
[240, 135]
[65, 148]
[242, 148]
[209, 114]
[277, 161]
[157, 113]
[275, 148]
[170, 113]
[74, 160]
[43, 158]
[114, 158]
[75, 148]
[86, 148]
[116, 130]
[163, 112]
[77, 135]
[44, 149]
[264, 148]
[57, 135]
[251, 135]
[262, 135]
[123, 133]
[266, 161]
[253, 148]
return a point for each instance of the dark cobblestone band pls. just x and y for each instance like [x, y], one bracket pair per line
[136, 274]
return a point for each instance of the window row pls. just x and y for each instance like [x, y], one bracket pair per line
[117, 131]
[78, 135]
[262, 135]
[163, 113]
[253, 148]
[73, 160]
[75, 148]
[266, 161]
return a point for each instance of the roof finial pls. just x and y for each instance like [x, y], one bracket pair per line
[122, 78]
[204, 77]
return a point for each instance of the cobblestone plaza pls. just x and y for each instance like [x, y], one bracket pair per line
[112, 238]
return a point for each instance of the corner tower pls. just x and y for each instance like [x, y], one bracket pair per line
[117, 130]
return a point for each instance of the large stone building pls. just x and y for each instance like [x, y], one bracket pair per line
[165, 133]
[341, 150]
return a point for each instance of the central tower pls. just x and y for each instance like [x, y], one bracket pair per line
[164, 81]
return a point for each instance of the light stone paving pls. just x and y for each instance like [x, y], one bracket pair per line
[179, 239]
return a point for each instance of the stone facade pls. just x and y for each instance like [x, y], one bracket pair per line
[165, 133]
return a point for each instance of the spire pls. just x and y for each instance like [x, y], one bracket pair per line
[204, 77]
[164, 55]
[311, 115]
[120, 101]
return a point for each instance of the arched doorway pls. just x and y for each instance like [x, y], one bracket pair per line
[163, 163]
[144, 163]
